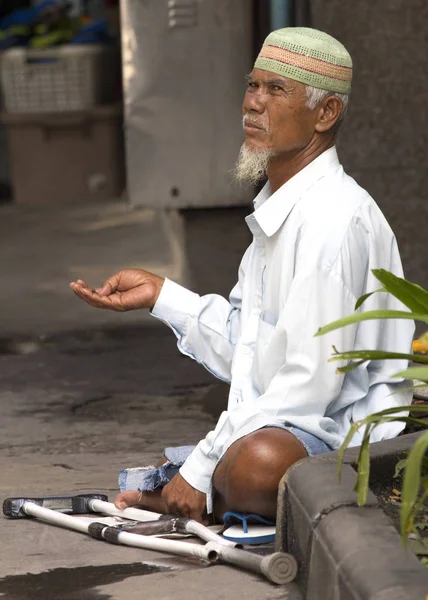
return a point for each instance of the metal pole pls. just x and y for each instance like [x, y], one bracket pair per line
[280, 13]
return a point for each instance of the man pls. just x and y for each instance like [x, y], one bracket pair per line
[317, 236]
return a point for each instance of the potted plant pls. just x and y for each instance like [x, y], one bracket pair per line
[415, 466]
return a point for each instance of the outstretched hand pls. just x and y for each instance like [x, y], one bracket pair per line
[129, 289]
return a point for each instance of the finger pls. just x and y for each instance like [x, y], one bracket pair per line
[198, 508]
[90, 297]
[79, 282]
[208, 519]
[196, 515]
[183, 510]
[109, 286]
[168, 498]
[126, 499]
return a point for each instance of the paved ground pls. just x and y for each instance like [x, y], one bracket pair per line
[86, 392]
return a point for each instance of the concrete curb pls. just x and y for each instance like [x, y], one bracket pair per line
[345, 551]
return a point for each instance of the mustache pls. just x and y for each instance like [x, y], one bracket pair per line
[247, 118]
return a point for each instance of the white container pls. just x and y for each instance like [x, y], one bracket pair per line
[66, 158]
[64, 78]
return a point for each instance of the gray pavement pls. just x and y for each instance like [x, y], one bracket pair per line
[44, 248]
[85, 392]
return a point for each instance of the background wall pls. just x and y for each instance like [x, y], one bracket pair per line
[384, 142]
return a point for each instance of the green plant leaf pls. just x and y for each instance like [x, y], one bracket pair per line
[352, 431]
[369, 316]
[399, 467]
[364, 297]
[424, 469]
[418, 373]
[363, 473]
[411, 482]
[351, 366]
[424, 481]
[410, 294]
[407, 420]
[377, 355]
[396, 409]
[415, 513]
[406, 389]
[387, 416]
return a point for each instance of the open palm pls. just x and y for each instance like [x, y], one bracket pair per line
[129, 289]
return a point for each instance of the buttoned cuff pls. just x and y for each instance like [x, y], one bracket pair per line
[175, 304]
[198, 470]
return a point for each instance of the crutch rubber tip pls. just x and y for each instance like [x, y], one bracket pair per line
[13, 507]
[80, 504]
[279, 567]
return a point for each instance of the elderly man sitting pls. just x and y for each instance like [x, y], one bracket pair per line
[316, 237]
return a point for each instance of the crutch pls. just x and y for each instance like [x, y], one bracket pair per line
[28, 508]
[97, 503]
[280, 568]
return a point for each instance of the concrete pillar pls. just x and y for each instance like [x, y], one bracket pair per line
[384, 142]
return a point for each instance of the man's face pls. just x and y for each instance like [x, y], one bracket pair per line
[275, 115]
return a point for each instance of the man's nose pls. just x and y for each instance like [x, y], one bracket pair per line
[254, 101]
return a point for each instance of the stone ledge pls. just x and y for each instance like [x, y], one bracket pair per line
[345, 551]
[357, 553]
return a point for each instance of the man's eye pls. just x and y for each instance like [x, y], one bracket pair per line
[276, 88]
[252, 84]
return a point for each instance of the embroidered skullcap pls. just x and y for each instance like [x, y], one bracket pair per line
[309, 56]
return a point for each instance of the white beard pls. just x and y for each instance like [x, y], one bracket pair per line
[252, 164]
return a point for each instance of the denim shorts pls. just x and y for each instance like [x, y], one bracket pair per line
[150, 478]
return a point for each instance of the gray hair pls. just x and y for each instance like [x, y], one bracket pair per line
[316, 95]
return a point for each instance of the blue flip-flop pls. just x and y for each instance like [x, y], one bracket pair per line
[244, 533]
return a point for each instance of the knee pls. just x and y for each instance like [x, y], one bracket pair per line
[259, 460]
[269, 452]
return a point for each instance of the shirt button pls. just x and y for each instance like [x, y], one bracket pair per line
[258, 303]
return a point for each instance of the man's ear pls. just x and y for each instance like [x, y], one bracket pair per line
[329, 111]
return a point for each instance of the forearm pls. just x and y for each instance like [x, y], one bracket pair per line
[207, 327]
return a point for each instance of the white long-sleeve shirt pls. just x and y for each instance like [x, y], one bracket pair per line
[316, 240]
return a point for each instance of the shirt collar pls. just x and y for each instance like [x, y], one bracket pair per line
[271, 210]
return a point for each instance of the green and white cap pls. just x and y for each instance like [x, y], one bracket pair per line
[309, 56]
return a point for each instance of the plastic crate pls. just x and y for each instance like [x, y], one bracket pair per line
[66, 158]
[65, 78]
